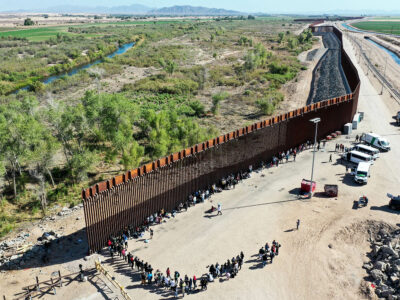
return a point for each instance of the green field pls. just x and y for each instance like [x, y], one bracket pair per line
[391, 27]
[36, 34]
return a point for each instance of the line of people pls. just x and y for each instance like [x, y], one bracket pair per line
[175, 283]
[227, 182]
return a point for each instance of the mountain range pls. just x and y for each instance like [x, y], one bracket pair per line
[136, 9]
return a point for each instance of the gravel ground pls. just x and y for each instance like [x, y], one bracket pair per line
[328, 79]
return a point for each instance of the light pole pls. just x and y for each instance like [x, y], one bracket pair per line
[315, 121]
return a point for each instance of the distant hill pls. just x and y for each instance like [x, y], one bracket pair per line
[65, 9]
[188, 10]
[136, 9]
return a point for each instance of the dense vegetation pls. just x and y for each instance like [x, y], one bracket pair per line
[391, 27]
[50, 148]
[99, 129]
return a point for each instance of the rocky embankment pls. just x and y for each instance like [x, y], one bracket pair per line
[384, 265]
[329, 80]
[39, 244]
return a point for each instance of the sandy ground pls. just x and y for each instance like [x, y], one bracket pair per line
[322, 260]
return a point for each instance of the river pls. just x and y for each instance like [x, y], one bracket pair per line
[119, 51]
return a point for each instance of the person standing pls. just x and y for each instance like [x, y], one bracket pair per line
[168, 273]
[219, 209]
[151, 233]
[194, 282]
[264, 259]
[330, 158]
[298, 224]
[272, 255]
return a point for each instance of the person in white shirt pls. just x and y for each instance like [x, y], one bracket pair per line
[219, 209]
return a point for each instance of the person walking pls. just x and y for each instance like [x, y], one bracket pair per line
[151, 233]
[294, 155]
[330, 158]
[168, 273]
[298, 224]
[219, 209]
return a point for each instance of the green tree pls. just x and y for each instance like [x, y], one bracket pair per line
[132, 156]
[28, 22]
[22, 136]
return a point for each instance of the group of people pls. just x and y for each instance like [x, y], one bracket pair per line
[173, 282]
[229, 269]
[340, 148]
[267, 253]
[278, 159]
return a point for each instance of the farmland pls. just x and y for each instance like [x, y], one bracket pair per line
[390, 27]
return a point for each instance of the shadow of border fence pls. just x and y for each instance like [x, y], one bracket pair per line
[127, 199]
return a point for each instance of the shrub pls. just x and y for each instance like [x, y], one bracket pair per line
[265, 107]
[216, 99]
[197, 107]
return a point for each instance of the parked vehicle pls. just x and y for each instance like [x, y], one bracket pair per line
[394, 202]
[331, 190]
[376, 141]
[367, 150]
[357, 157]
[362, 202]
[362, 172]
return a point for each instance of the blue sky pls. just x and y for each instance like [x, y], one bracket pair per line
[267, 6]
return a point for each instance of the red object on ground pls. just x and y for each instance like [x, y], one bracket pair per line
[333, 134]
[328, 137]
[307, 187]
[338, 132]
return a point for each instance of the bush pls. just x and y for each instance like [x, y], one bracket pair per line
[265, 107]
[216, 99]
[197, 107]
[158, 84]
[268, 103]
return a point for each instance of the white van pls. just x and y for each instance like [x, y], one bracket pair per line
[376, 141]
[362, 172]
[357, 157]
[367, 150]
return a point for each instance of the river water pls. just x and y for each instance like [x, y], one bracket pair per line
[119, 51]
[395, 57]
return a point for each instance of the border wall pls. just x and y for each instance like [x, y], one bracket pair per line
[129, 198]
